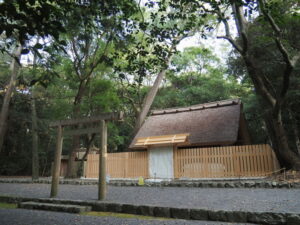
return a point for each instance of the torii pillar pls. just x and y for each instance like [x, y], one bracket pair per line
[102, 118]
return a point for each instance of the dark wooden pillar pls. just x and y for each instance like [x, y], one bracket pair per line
[57, 162]
[102, 162]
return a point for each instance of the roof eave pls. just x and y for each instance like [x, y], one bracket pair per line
[182, 145]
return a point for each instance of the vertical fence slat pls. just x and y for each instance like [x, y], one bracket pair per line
[249, 160]
[266, 162]
[254, 162]
[256, 154]
[206, 162]
[261, 164]
[245, 157]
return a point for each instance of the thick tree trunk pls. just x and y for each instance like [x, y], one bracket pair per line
[34, 128]
[271, 98]
[148, 100]
[14, 68]
[35, 153]
[290, 159]
[71, 170]
[295, 131]
[276, 130]
[80, 168]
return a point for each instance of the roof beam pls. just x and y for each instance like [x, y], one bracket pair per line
[91, 130]
[164, 139]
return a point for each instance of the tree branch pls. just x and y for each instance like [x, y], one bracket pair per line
[77, 60]
[241, 24]
[227, 36]
[290, 64]
[269, 17]
[269, 85]
[97, 47]
[95, 63]
[89, 142]
[258, 82]
[232, 42]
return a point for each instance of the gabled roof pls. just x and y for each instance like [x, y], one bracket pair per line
[214, 123]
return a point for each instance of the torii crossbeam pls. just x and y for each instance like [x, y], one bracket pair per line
[102, 129]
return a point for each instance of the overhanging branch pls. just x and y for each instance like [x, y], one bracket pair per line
[227, 35]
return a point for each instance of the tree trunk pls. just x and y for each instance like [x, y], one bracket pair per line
[278, 135]
[34, 128]
[80, 168]
[290, 158]
[295, 131]
[270, 98]
[148, 100]
[35, 153]
[14, 68]
[71, 170]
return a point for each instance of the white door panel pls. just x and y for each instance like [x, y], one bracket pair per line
[161, 162]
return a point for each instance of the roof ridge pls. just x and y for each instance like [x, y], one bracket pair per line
[202, 106]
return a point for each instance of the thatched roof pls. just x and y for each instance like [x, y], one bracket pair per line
[214, 123]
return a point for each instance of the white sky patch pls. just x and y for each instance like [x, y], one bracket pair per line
[219, 47]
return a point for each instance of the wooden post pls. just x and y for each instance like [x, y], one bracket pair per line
[102, 156]
[102, 162]
[57, 162]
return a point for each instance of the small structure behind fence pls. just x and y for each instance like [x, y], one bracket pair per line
[120, 165]
[221, 162]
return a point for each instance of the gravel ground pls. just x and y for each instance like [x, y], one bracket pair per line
[243, 199]
[36, 217]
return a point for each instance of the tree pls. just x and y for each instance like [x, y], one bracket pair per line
[265, 51]
[197, 76]
[102, 21]
[273, 97]
[91, 46]
[162, 31]
[149, 98]
[20, 20]
[14, 68]
[16, 155]
[34, 127]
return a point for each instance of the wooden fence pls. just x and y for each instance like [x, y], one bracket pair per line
[119, 165]
[218, 162]
[230, 161]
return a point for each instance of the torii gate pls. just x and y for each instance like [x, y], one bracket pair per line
[102, 129]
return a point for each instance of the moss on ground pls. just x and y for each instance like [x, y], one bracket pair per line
[4, 205]
[122, 215]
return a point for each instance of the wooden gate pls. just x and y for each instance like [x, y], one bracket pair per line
[119, 165]
[220, 162]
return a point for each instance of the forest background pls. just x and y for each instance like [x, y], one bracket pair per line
[71, 59]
